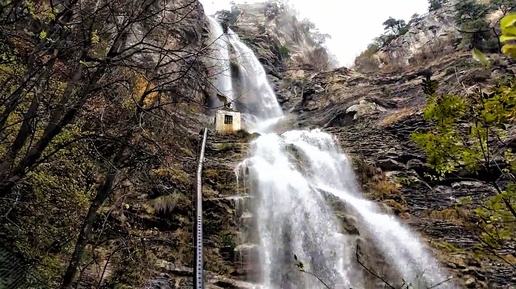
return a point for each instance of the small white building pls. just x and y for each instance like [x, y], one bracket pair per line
[228, 121]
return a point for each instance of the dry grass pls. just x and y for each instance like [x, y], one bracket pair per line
[167, 204]
[451, 215]
[436, 49]
[173, 173]
[385, 189]
[445, 246]
[394, 67]
[211, 174]
[397, 115]
[381, 188]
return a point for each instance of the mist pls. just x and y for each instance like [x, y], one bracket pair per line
[352, 24]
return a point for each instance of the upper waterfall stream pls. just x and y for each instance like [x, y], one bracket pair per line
[220, 60]
[291, 177]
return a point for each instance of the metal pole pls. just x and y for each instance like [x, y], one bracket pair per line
[199, 257]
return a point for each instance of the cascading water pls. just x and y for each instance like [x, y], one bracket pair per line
[328, 170]
[294, 219]
[256, 96]
[221, 60]
[291, 175]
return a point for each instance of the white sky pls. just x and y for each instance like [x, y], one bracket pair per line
[351, 23]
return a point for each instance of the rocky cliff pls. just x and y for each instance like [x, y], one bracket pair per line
[112, 96]
[432, 34]
[435, 35]
[373, 116]
[141, 234]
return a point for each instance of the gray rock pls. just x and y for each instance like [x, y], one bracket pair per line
[435, 29]
[247, 260]
[470, 282]
[390, 165]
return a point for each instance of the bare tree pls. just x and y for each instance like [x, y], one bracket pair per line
[105, 74]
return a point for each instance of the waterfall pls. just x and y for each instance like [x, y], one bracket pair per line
[294, 219]
[290, 174]
[255, 97]
[291, 177]
[221, 60]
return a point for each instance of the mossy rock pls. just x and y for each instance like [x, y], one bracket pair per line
[445, 246]
[246, 135]
[222, 147]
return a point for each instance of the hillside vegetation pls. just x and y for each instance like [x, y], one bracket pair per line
[90, 93]
[450, 26]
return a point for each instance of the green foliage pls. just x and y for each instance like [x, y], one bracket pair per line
[229, 17]
[284, 51]
[480, 57]
[415, 18]
[508, 36]
[395, 26]
[436, 4]
[469, 10]
[132, 264]
[393, 29]
[505, 6]
[49, 211]
[471, 18]
[227, 240]
[67, 137]
[469, 133]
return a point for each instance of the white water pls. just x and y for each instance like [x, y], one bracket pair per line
[259, 103]
[328, 169]
[289, 175]
[294, 219]
[253, 96]
[221, 60]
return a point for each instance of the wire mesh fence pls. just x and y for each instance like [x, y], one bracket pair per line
[15, 274]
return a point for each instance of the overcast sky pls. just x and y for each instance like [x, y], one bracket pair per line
[351, 23]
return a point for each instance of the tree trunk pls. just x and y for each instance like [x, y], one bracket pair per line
[87, 226]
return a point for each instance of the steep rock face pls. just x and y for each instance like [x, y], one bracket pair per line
[162, 212]
[143, 230]
[290, 49]
[281, 40]
[373, 117]
[158, 207]
[435, 32]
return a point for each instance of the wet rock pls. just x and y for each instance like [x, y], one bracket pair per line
[364, 107]
[342, 119]
[247, 260]
[467, 184]
[390, 165]
[349, 224]
[279, 39]
[470, 282]
[173, 268]
[383, 138]
[417, 165]
[163, 281]
[219, 282]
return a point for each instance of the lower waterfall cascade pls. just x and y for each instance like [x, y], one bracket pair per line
[291, 176]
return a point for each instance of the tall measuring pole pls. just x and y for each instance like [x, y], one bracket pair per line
[199, 256]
